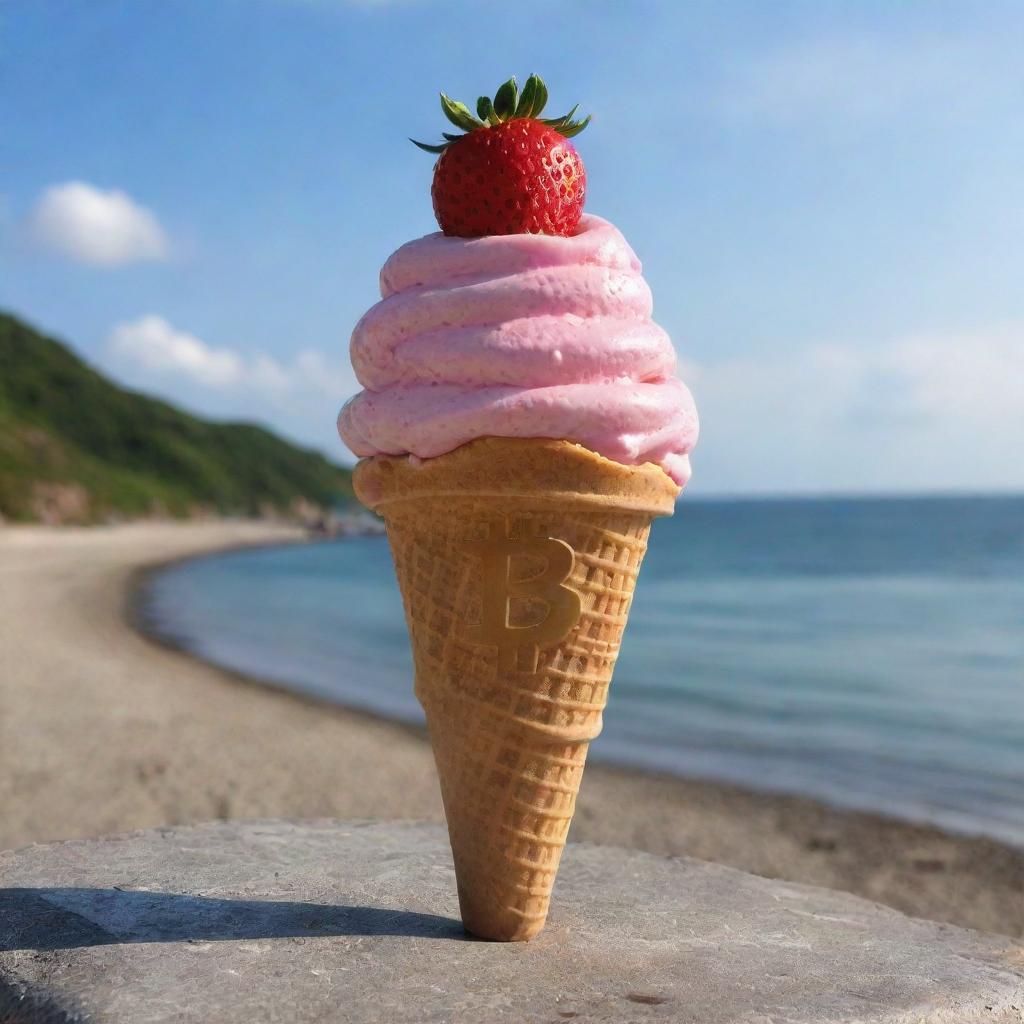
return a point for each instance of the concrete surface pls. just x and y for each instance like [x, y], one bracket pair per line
[355, 921]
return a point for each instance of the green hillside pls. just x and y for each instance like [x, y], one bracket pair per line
[75, 447]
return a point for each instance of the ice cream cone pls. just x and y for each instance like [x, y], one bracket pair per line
[517, 560]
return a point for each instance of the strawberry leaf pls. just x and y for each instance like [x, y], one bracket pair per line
[532, 98]
[573, 128]
[430, 149]
[506, 99]
[458, 114]
[485, 110]
[554, 122]
[542, 97]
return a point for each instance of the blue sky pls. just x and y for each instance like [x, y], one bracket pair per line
[827, 198]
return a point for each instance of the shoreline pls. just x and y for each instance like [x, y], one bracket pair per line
[110, 729]
[138, 621]
[137, 617]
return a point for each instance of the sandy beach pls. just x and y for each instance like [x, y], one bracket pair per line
[103, 730]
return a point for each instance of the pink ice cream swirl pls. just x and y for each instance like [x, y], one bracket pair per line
[518, 336]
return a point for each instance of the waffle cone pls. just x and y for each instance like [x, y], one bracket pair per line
[517, 561]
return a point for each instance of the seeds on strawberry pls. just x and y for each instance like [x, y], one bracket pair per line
[513, 172]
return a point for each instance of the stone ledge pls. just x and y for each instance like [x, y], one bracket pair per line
[328, 921]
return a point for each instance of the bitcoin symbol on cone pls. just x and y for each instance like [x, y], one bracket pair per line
[501, 587]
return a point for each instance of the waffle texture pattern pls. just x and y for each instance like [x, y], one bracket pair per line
[512, 697]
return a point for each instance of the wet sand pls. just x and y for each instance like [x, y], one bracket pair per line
[103, 730]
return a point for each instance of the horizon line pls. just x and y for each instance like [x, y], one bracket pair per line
[841, 495]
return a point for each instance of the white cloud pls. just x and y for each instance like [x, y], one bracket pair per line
[930, 411]
[157, 348]
[154, 345]
[301, 396]
[88, 225]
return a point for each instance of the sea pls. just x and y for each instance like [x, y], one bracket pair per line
[865, 652]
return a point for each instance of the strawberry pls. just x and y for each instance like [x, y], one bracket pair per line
[513, 172]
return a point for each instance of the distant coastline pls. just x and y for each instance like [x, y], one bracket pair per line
[826, 496]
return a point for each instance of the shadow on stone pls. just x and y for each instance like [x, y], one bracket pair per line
[24, 1006]
[71, 918]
